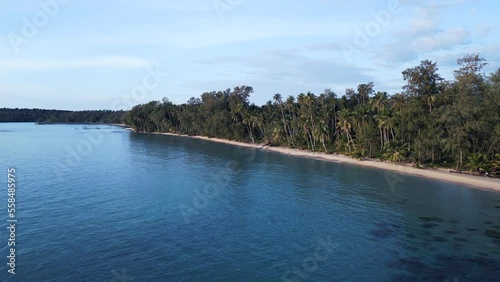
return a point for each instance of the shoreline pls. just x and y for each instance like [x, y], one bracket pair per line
[477, 182]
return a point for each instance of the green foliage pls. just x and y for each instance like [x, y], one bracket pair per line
[57, 116]
[393, 152]
[431, 122]
[477, 163]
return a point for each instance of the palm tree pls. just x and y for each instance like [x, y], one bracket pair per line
[398, 102]
[344, 124]
[430, 100]
[291, 108]
[385, 124]
[248, 121]
[258, 122]
[278, 101]
[305, 123]
[379, 101]
[361, 116]
[320, 132]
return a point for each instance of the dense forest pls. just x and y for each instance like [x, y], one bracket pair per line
[432, 122]
[56, 116]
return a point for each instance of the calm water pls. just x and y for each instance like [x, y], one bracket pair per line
[111, 205]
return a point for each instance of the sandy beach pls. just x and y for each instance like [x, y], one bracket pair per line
[481, 182]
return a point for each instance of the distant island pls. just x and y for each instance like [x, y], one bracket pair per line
[432, 123]
[59, 116]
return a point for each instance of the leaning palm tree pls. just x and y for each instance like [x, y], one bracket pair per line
[248, 122]
[258, 122]
[279, 102]
[345, 124]
[320, 132]
[382, 119]
[291, 108]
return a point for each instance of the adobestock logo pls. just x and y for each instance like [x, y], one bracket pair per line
[152, 80]
[76, 154]
[224, 6]
[40, 19]
[363, 36]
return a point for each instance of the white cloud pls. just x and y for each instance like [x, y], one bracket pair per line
[421, 26]
[291, 71]
[391, 54]
[443, 40]
[423, 34]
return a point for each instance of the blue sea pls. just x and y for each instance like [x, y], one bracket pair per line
[102, 203]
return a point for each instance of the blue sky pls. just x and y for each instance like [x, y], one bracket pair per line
[69, 54]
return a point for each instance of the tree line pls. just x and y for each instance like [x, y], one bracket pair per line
[58, 116]
[432, 122]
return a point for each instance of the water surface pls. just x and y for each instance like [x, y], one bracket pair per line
[111, 205]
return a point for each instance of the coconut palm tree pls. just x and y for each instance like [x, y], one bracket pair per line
[279, 102]
[398, 102]
[379, 101]
[345, 124]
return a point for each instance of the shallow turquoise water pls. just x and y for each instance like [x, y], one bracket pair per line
[112, 205]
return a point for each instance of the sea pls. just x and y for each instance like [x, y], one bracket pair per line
[103, 203]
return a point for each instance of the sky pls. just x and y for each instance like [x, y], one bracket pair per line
[77, 55]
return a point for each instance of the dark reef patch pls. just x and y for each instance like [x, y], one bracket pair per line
[427, 233]
[430, 219]
[446, 267]
[381, 233]
[429, 225]
[492, 234]
[439, 239]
